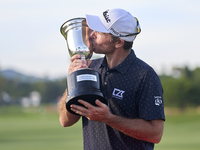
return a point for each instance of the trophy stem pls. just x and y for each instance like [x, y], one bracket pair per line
[83, 58]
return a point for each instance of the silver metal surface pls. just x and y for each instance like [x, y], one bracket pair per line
[75, 33]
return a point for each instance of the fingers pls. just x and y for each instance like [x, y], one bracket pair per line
[89, 106]
[78, 56]
[81, 110]
[100, 104]
[86, 104]
[92, 112]
[76, 63]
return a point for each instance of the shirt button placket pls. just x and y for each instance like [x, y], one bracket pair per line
[105, 83]
[106, 78]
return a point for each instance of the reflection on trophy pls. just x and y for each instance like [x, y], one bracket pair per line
[83, 83]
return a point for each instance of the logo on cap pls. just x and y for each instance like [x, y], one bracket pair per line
[106, 16]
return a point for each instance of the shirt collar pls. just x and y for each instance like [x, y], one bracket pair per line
[123, 67]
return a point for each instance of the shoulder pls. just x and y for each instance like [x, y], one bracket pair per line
[141, 67]
[137, 65]
[143, 72]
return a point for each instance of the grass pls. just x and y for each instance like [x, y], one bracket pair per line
[37, 130]
[181, 133]
[40, 129]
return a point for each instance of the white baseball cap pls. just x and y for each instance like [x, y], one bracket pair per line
[118, 22]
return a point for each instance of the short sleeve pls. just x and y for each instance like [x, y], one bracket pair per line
[151, 104]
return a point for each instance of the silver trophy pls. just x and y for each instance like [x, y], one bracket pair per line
[83, 83]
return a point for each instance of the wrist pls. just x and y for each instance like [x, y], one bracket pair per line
[110, 119]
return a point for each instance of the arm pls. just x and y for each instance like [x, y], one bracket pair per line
[150, 131]
[65, 117]
[141, 129]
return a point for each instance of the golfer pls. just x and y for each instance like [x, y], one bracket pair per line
[133, 118]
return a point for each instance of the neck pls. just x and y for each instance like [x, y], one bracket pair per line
[117, 58]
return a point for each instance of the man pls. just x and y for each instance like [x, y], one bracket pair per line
[134, 117]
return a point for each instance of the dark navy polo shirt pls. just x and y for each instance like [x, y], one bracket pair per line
[133, 90]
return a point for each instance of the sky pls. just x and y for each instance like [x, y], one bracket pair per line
[31, 43]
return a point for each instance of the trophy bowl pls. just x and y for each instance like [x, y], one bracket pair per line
[83, 83]
[74, 31]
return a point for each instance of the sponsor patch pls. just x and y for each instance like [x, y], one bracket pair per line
[158, 100]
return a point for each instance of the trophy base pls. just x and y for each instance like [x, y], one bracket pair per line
[88, 97]
[83, 84]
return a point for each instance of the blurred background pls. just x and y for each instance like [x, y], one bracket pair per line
[34, 62]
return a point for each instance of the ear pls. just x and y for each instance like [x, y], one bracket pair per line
[119, 43]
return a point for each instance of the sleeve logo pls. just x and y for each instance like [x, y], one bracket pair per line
[158, 100]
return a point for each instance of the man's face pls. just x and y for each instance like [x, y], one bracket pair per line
[97, 41]
[101, 42]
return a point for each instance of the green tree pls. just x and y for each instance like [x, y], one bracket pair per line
[183, 90]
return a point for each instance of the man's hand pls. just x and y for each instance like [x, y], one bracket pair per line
[150, 131]
[78, 63]
[100, 112]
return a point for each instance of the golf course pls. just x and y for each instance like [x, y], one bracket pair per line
[39, 129]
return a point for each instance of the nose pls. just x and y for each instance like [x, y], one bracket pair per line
[93, 34]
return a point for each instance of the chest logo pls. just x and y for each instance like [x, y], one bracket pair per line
[118, 93]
